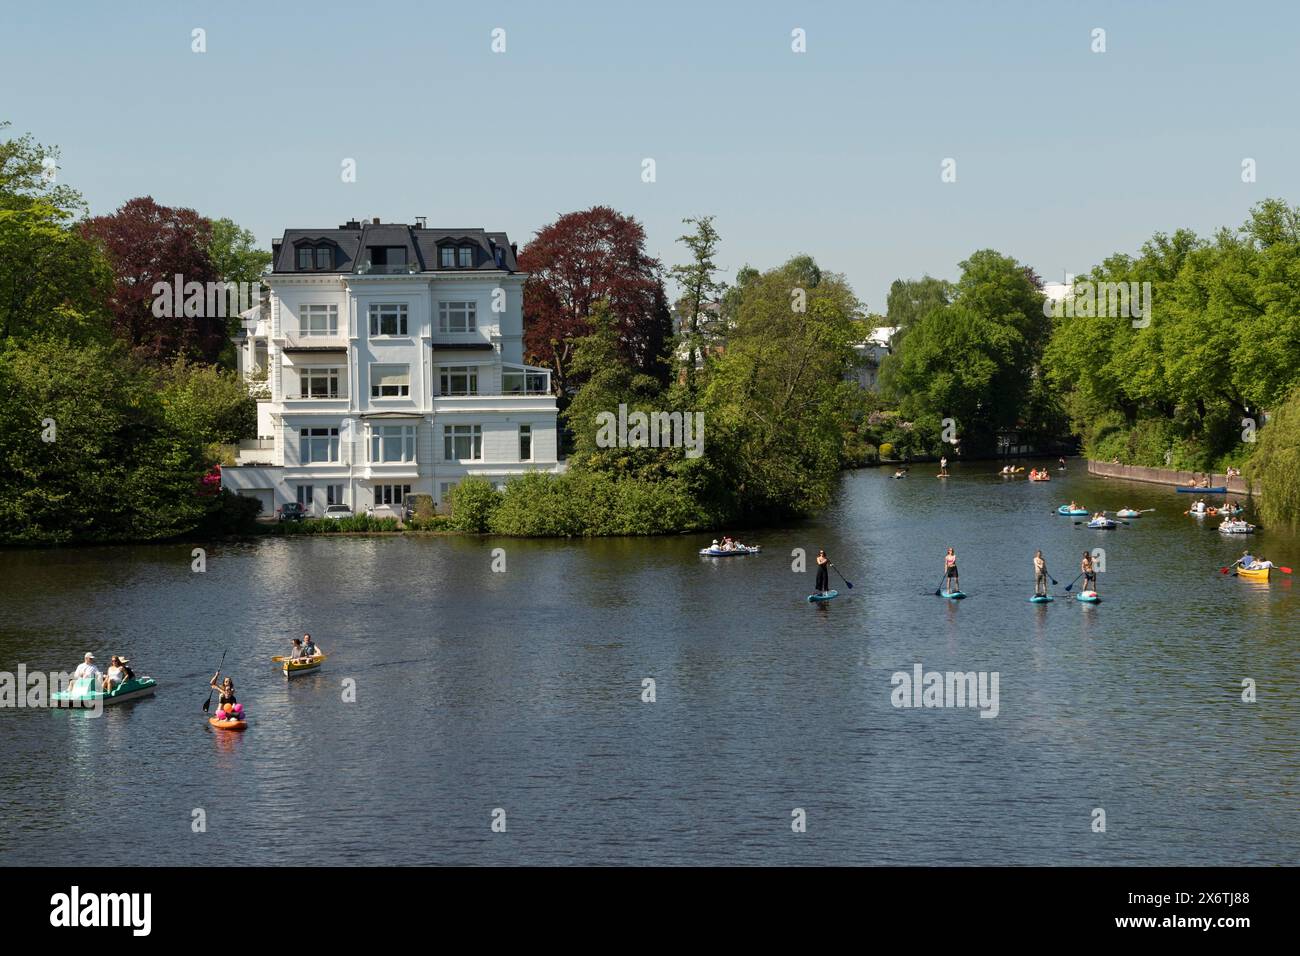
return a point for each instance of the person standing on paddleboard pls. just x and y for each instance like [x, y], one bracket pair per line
[1089, 574]
[1040, 575]
[950, 571]
[823, 574]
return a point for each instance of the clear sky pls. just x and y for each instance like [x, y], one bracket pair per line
[1063, 155]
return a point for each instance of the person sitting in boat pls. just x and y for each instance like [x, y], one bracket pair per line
[950, 571]
[117, 674]
[296, 653]
[309, 648]
[1099, 516]
[1074, 505]
[226, 689]
[823, 575]
[87, 668]
[1199, 507]
[1088, 571]
[1033, 474]
[1040, 575]
[715, 546]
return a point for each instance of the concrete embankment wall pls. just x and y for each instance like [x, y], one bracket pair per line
[1166, 476]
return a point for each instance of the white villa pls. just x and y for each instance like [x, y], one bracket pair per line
[871, 351]
[387, 360]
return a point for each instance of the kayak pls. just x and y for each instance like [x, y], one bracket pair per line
[84, 692]
[829, 595]
[1103, 524]
[302, 665]
[955, 595]
[228, 724]
[1088, 597]
[1041, 599]
[1253, 574]
[1201, 491]
[711, 552]
[1128, 513]
[1072, 512]
[1040, 477]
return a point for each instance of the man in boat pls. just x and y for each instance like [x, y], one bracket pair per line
[1040, 575]
[1250, 563]
[823, 575]
[87, 668]
[309, 648]
[950, 571]
[1089, 573]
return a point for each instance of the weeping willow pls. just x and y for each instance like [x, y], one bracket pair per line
[1275, 465]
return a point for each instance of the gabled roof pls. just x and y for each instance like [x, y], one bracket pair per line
[353, 241]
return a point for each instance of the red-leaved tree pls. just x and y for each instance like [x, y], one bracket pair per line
[573, 263]
[146, 243]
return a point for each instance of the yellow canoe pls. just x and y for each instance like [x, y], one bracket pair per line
[1253, 574]
[302, 665]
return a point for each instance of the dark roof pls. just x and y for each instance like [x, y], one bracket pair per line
[351, 244]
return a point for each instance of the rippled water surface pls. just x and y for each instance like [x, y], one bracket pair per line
[522, 690]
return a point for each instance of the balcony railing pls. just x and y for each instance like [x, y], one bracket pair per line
[387, 269]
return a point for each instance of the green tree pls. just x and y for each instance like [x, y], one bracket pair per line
[699, 288]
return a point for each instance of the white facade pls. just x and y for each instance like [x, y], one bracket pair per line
[386, 385]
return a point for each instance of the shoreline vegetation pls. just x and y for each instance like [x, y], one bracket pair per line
[114, 420]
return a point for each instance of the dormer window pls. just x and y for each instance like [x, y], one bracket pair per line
[315, 258]
[465, 257]
[446, 258]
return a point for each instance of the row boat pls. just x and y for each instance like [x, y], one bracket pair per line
[1253, 574]
[303, 664]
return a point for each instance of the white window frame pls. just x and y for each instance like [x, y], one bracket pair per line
[452, 434]
[305, 495]
[311, 314]
[468, 372]
[380, 439]
[332, 374]
[390, 495]
[466, 310]
[310, 438]
[376, 372]
[396, 312]
[334, 495]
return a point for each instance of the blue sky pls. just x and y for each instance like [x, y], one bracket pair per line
[1063, 155]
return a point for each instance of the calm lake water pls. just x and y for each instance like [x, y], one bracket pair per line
[522, 690]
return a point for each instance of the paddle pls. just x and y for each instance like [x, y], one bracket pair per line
[208, 703]
[843, 578]
[940, 587]
[1072, 583]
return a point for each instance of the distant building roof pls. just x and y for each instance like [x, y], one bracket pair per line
[353, 241]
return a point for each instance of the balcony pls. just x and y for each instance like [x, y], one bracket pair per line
[387, 269]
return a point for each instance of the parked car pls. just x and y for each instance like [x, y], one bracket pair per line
[291, 511]
[338, 511]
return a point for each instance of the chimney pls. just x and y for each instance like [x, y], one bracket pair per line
[351, 224]
[421, 222]
[514, 250]
[375, 220]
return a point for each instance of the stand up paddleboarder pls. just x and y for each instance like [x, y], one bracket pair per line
[823, 573]
[1040, 575]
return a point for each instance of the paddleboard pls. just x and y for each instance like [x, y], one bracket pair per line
[956, 595]
[823, 597]
[1041, 599]
[228, 724]
[1088, 597]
